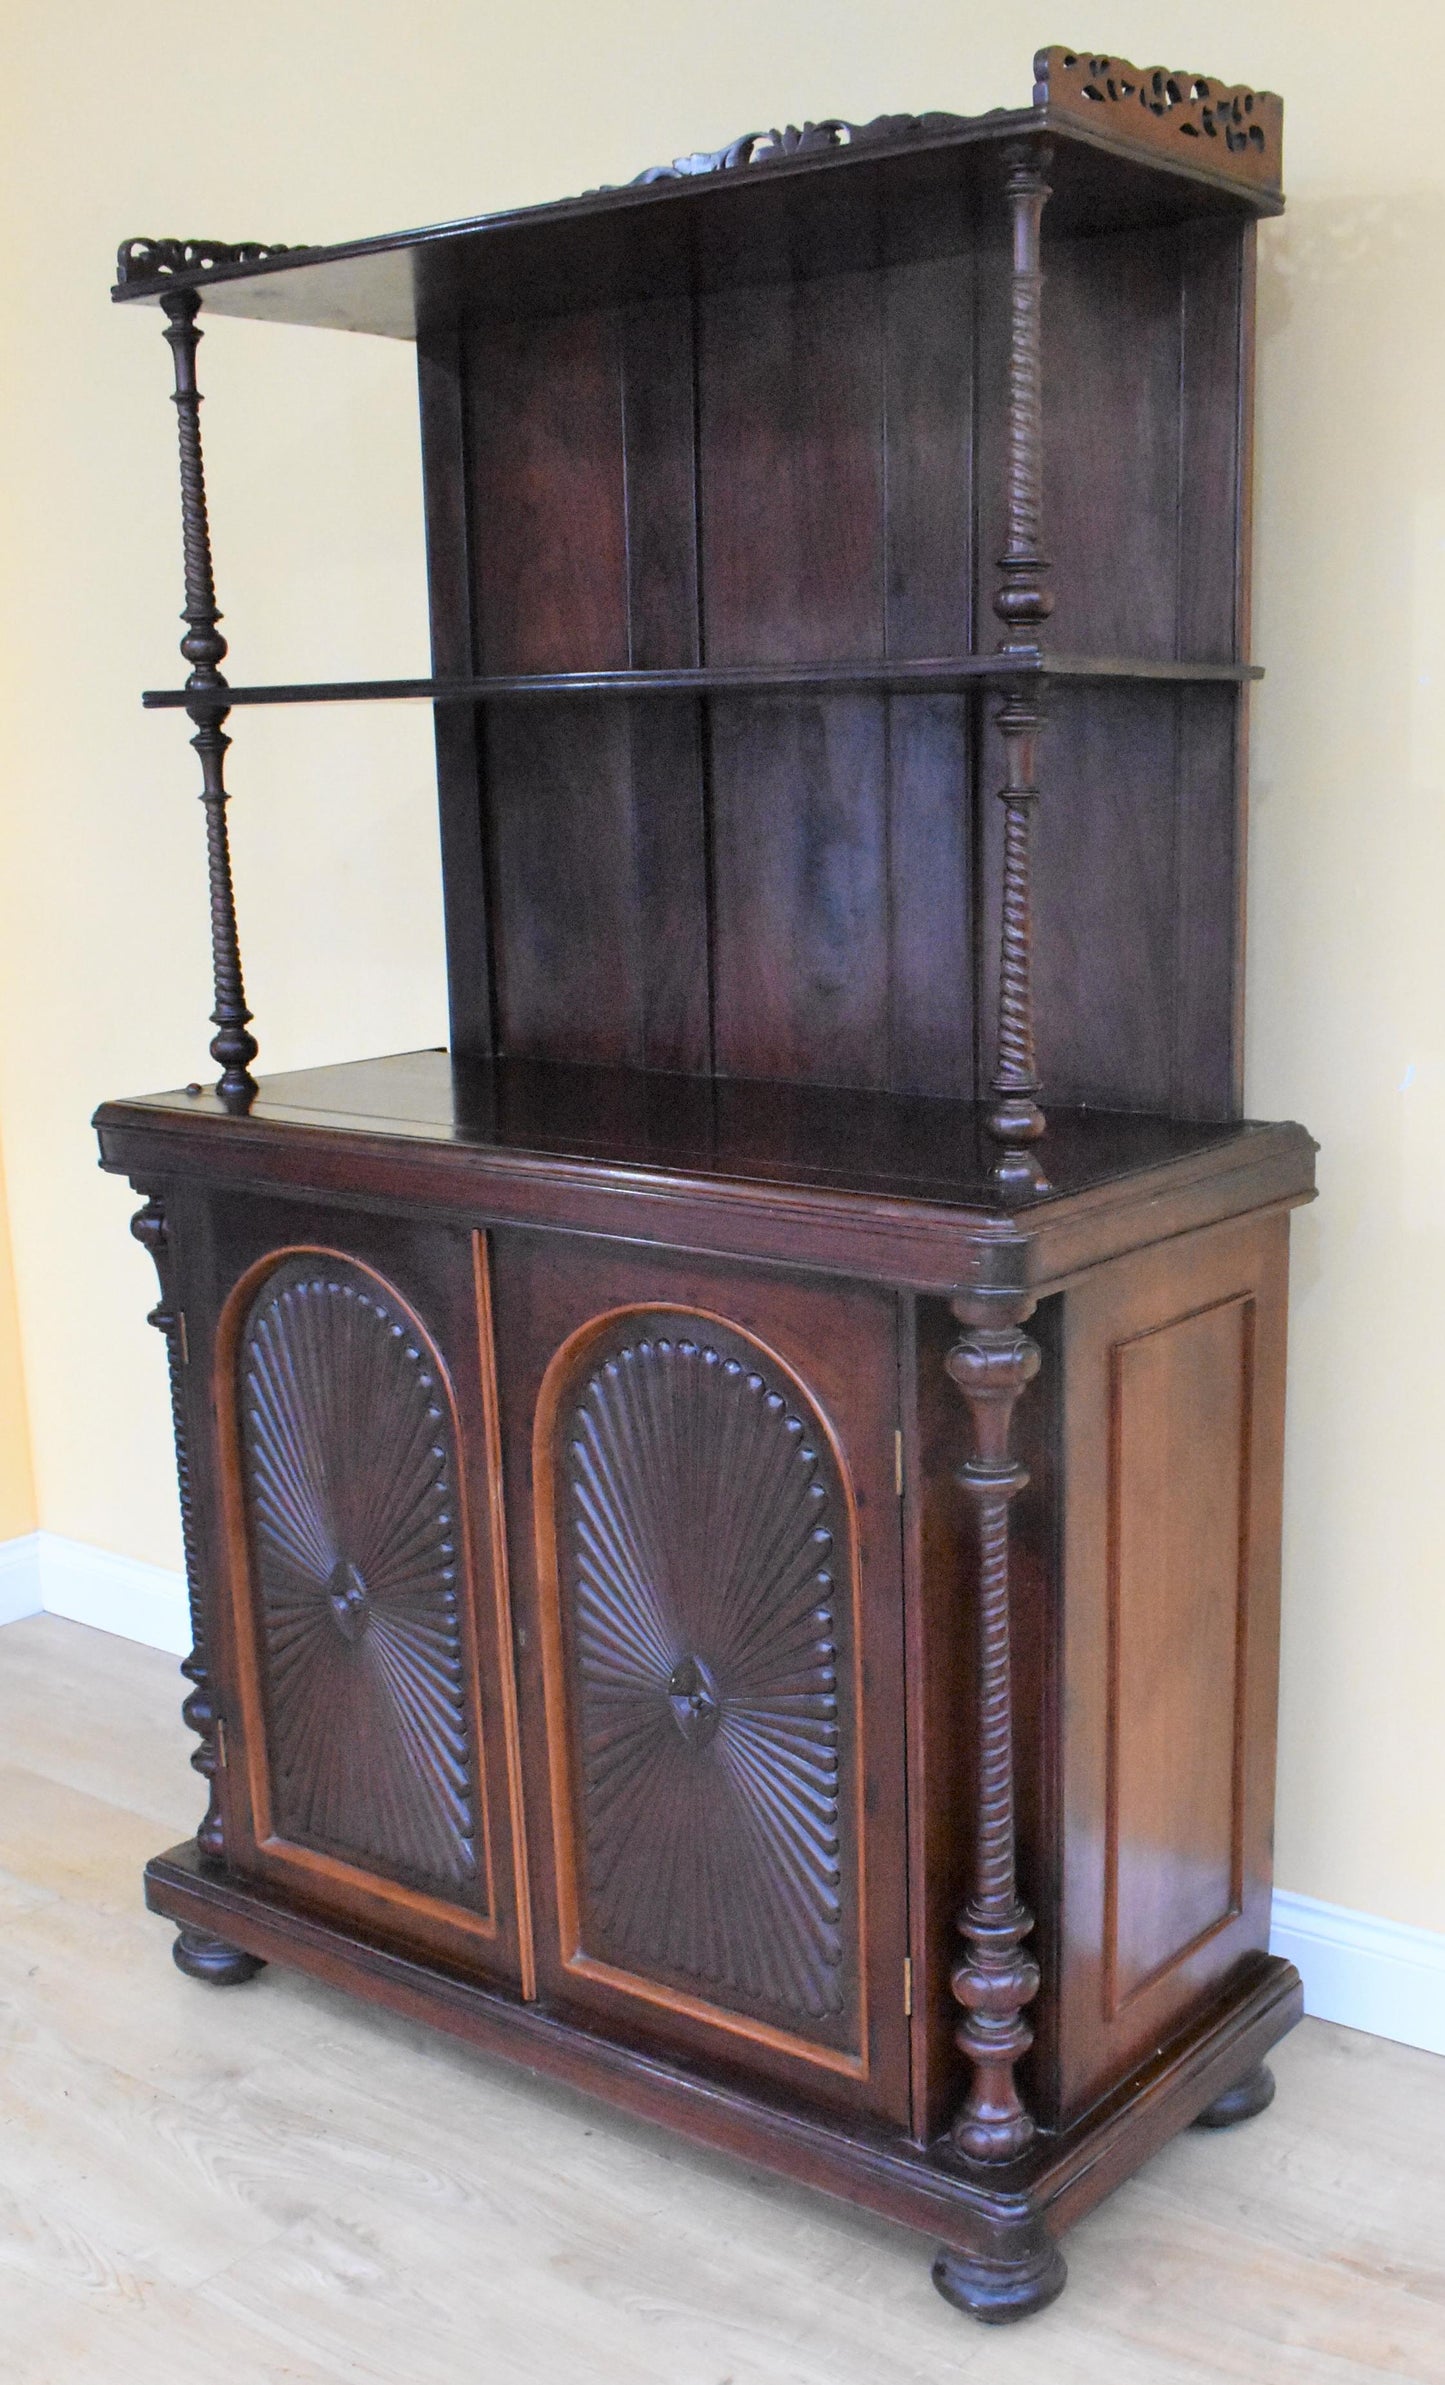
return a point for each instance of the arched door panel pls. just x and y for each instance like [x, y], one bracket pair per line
[374, 1716]
[715, 1568]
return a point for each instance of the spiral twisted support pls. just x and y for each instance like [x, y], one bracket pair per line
[233, 1047]
[1023, 603]
[150, 1229]
[996, 1979]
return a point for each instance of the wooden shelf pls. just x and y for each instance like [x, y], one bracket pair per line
[768, 204]
[641, 1130]
[937, 675]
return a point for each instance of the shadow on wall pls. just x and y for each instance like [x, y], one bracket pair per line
[1346, 1001]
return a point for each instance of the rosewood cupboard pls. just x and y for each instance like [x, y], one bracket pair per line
[734, 1555]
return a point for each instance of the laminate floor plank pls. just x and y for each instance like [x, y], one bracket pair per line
[63, 1841]
[99, 1714]
[272, 2185]
[127, 2334]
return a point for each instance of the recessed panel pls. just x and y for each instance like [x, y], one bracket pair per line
[704, 1587]
[349, 1475]
[1180, 1401]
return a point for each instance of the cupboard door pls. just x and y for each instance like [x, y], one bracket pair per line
[714, 1579]
[366, 1619]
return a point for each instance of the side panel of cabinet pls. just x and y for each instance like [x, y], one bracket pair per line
[1173, 1366]
[710, 1647]
[359, 1610]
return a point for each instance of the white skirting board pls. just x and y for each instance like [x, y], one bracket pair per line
[47, 1574]
[1374, 1975]
[20, 1578]
[1380, 1976]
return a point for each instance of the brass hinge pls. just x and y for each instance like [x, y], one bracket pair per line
[908, 1986]
[220, 1736]
[898, 1464]
[184, 1345]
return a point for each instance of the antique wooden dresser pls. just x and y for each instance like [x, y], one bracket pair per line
[733, 1560]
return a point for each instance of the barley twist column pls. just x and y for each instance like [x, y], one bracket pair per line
[203, 646]
[994, 1982]
[1023, 604]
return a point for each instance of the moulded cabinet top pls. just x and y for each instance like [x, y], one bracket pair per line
[1131, 147]
[865, 1184]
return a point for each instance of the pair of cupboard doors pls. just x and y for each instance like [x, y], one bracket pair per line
[596, 1622]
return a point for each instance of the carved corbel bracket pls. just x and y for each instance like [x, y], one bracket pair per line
[152, 1232]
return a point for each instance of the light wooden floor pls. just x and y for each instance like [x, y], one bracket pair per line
[266, 2183]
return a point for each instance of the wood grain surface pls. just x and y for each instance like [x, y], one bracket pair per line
[270, 2183]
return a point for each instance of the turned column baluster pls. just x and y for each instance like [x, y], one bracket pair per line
[992, 1364]
[198, 1713]
[203, 646]
[1023, 604]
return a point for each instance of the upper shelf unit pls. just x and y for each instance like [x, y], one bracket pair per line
[1132, 148]
[793, 448]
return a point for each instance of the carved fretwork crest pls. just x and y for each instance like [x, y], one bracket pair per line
[1195, 118]
[144, 260]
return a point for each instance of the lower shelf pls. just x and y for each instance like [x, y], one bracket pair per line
[998, 2218]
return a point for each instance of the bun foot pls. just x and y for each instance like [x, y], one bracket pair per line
[1007, 2288]
[1240, 2102]
[201, 1956]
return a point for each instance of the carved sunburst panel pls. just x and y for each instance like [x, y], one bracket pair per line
[350, 1478]
[705, 1575]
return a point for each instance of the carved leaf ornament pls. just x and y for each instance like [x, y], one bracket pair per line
[795, 140]
[350, 1479]
[703, 1541]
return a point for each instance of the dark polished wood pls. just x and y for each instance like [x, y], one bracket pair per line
[1023, 603]
[212, 1961]
[733, 1558]
[1172, 1438]
[886, 1187]
[1026, 2274]
[362, 1660]
[623, 1369]
[1119, 166]
[942, 674]
[142, 260]
[1252, 2094]
[982, 2213]
[208, 702]
[993, 1364]
[198, 1713]
[1233, 129]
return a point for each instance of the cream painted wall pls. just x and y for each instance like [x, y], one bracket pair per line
[17, 1486]
[309, 119]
